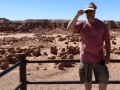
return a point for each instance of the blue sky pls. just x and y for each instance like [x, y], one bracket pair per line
[57, 9]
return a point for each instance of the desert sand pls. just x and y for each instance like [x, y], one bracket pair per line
[47, 71]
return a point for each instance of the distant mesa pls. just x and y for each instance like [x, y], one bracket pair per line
[33, 25]
[4, 20]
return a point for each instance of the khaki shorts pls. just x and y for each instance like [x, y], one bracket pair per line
[101, 72]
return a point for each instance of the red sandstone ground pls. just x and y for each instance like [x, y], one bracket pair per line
[11, 80]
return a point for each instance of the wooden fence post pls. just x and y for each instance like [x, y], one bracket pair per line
[23, 71]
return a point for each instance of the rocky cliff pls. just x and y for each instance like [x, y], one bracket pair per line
[30, 25]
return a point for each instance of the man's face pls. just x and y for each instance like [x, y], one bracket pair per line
[90, 14]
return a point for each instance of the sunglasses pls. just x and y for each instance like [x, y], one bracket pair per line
[89, 11]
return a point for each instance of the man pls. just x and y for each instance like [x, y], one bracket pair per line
[94, 33]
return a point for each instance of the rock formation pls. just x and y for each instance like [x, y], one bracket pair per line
[31, 25]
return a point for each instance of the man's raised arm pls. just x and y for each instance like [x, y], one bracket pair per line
[72, 23]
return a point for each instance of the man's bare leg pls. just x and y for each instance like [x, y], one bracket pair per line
[88, 85]
[102, 86]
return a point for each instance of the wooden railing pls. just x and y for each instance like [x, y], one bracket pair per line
[22, 70]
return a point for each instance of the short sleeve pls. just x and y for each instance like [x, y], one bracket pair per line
[78, 26]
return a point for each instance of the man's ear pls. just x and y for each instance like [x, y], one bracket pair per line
[95, 11]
